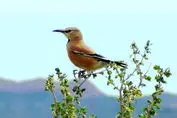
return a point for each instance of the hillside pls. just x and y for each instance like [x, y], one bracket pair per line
[28, 99]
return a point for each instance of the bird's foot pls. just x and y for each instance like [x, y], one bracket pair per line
[84, 74]
[81, 74]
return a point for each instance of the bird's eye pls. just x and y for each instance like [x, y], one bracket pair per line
[68, 31]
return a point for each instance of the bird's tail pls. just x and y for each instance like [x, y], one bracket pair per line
[119, 63]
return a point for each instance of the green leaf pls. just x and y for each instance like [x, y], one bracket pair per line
[141, 116]
[57, 70]
[109, 72]
[83, 110]
[167, 72]
[157, 87]
[158, 106]
[156, 67]
[158, 100]
[148, 78]
[152, 112]
[115, 88]
[83, 89]
[121, 75]
[69, 98]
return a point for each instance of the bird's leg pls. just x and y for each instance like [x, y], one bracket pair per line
[81, 74]
[84, 75]
[75, 73]
[89, 74]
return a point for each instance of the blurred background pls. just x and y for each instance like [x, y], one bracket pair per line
[30, 51]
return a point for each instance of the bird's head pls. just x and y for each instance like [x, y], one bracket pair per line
[72, 33]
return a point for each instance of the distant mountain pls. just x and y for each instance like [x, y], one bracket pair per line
[22, 86]
[27, 99]
[38, 84]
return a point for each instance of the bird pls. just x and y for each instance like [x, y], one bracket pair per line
[81, 55]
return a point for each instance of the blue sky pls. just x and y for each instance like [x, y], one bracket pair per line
[30, 49]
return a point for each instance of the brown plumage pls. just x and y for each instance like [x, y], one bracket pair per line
[81, 55]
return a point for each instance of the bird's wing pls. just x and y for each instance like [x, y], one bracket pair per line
[99, 57]
[94, 55]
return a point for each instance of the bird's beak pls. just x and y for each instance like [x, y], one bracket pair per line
[59, 30]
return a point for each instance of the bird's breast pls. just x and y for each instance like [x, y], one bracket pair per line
[81, 61]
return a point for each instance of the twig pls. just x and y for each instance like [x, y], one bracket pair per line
[141, 78]
[83, 82]
[81, 75]
[54, 95]
[148, 69]
[55, 100]
[131, 74]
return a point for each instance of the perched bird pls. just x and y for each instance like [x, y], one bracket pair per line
[82, 55]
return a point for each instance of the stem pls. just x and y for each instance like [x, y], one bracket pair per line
[120, 97]
[121, 103]
[55, 100]
[54, 96]
[141, 76]
[85, 79]
[86, 76]
[131, 74]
